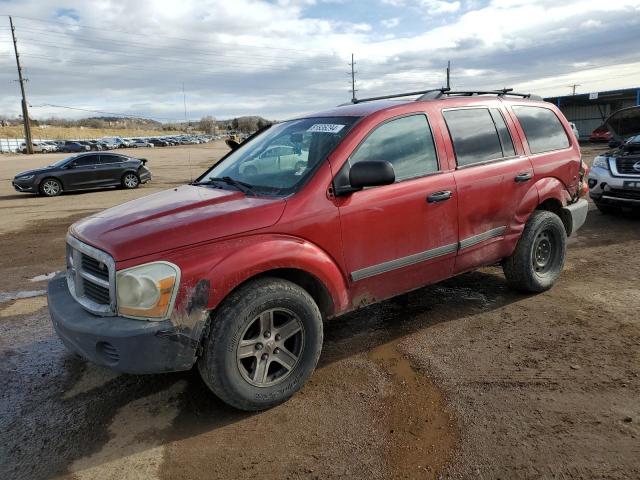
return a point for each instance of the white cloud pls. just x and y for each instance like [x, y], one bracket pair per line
[259, 57]
[390, 22]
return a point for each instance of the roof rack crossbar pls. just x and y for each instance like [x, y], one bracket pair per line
[436, 93]
[398, 95]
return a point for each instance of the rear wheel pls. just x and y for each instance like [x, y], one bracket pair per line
[537, 261]
[264, 343]
[130, 180]
[50, 187]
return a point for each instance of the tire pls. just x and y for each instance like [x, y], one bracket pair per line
[130, 180]
[606, 209]
[50, 187]
[537, 261]
[252, 378]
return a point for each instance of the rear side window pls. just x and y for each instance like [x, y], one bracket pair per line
[406, 143]
[86, 160]
[111, 159]
[542, 128]
[474, 135]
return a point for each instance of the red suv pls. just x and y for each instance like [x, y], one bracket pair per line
[310, 219]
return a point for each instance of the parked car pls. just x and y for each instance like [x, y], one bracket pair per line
[140, 143]
[236, 272]
[614, 178]
[158, 142]
[84, 172]
[51, 146]
[38, 147]
[110, 143]
[600, 134]
[574, 129]
[74, 147]
[274, 159]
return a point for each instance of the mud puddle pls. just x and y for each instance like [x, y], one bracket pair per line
[422, 432]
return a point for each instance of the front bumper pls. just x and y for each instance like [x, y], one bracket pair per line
[575, 214]
[24, 187]
[605, 188]
[123, 344]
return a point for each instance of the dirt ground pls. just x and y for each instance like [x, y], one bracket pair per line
[465, 379]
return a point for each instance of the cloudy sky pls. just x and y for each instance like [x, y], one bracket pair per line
[286, 57]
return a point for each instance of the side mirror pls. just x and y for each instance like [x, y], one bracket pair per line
[232, 144]
[371, 174]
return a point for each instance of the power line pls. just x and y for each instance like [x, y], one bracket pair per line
[112, 114]
[77, 25]
[34, 42]
[128, 44]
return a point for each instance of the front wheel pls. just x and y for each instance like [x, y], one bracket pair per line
[537, 261]
[51, 187]
[130, 180]
[264, 343]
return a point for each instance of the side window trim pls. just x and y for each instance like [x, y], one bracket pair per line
[484, 162]
[388, 120]
[496, 111]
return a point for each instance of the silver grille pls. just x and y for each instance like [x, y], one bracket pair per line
[91, 277]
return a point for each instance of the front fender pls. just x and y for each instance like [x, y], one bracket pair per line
[247, 257]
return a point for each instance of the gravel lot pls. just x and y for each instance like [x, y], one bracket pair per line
[464, 379]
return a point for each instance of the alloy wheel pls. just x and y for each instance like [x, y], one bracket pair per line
[51, 188]
[130, 180]
[270, 347]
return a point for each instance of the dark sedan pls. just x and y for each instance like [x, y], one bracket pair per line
[84, 172]
[74, 147]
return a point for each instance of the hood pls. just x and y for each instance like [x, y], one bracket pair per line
[31, 172]
[624, 123]
[175, 218]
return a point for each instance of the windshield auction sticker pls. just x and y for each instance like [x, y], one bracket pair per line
[325, 128]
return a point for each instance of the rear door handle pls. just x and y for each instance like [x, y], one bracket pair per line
[523, 177]
[439, 196]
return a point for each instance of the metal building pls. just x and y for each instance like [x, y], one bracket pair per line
[589, 110]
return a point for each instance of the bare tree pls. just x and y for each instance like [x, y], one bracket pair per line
[207, 125]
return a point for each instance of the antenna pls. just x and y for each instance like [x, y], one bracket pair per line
[448, 74]
[186, 121]
[353, 81]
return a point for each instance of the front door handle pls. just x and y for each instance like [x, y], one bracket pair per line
[523, 177]
[439, 196]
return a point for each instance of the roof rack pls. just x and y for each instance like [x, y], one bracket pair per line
[436, 93]
[501, 93]
[398, 95]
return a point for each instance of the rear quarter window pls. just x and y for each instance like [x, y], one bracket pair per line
[542, 128]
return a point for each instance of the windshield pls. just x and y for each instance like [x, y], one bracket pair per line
[280, 159]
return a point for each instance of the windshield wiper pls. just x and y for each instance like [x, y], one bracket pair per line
[246, 188]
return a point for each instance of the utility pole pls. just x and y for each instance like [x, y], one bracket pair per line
[25, 110]
[573, 87]
[353, 81]
[448, 74]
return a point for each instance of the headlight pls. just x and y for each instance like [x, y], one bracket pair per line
[147, 291]
[601, 162]
[25, 177]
